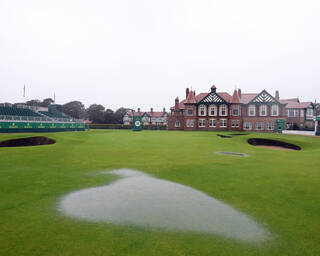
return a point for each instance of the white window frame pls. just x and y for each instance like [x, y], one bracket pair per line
[213, 107]
[233, 123]
[309, 112]
[201, 108]
[302, 112]
[270, 126]
[225, 108]
[224, 122]
[263, 108]
[273, 108]
[247, 126]
[177, 123]
[235, 107]
[190, 123]
[212, 123]
[252, 107]
[202, 123]
[237, 123]
[259, 128]
[190, 108]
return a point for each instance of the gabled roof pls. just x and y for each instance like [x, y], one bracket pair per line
[295, 104]
[264, 97]
[156, 114]
[247, 97]
[226, 96]
[219, 97]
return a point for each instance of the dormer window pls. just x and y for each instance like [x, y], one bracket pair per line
[274, 110]
[263, 110]
[202, 110]
[223, 110]
[251, 110]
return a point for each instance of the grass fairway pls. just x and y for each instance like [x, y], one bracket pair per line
[280, 189]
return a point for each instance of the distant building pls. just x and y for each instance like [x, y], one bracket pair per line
[157, 118]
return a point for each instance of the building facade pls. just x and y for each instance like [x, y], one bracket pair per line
[222, 111]
[299, 115]
[156, 118]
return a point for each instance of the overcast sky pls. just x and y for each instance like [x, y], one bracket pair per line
[144, 53]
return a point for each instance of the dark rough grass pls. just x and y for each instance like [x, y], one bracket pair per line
[280, 189]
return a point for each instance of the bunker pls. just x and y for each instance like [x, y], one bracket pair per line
[29, 141]
[276, 144]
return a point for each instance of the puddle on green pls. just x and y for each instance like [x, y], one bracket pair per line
[142, 200]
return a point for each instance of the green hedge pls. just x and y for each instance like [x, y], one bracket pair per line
[122, 126]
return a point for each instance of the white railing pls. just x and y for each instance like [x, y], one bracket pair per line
[7, 118]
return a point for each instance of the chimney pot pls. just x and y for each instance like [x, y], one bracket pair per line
[239, 92]
[187, 92]
[277, 95]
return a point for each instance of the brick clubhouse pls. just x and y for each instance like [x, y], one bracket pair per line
[240, 111]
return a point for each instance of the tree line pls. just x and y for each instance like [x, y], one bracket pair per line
[96, 113]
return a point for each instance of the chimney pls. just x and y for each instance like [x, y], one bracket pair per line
[164, 110]
[151, 110]
[239, 92]
[277, 95]
[176, 105]
[213, 88]
[187, 92]
[138, 110]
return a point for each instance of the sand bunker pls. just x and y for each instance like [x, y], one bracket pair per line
[273, 144]
[141, 200]
[231, 153]
[30, 141]
[223, 136]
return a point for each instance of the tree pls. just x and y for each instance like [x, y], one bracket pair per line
[74, 109]
[96, 113]
[119, 114]
[109, 116]
[33, 102]
[46, 102]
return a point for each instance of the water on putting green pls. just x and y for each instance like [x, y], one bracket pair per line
[142, 200]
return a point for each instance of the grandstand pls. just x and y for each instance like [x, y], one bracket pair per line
[13, 111]
[24, 118]
[53, 112]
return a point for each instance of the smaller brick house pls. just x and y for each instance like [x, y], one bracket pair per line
[299, 115]
[148, 118]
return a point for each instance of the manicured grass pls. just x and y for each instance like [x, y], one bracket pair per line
[280, 189]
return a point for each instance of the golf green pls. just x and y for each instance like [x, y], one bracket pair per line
[279, 189]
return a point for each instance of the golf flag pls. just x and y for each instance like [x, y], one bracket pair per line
[137, 123]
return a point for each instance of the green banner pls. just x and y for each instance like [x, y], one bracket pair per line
[137, 123]
[318, 118]
[38, 126]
